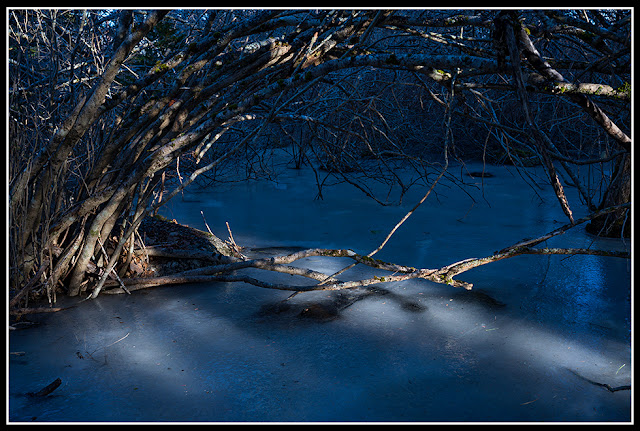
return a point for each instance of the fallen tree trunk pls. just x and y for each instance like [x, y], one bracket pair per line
[226, 272]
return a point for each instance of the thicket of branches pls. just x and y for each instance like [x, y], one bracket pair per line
[106, 105]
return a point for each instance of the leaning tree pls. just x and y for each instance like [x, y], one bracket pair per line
[106, 105]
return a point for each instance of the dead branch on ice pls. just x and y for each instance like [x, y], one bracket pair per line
[226, 272]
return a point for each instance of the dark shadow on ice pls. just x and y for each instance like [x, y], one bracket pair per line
[477, 297]
[330, 308]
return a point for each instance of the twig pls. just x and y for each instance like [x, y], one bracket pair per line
[205, 222]
[562, 229]
[104, 347]
[47, 389]
[231, 235]
[235, 247]
[395, 228]
[603, 385]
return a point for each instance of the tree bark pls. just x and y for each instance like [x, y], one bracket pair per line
[618, 223]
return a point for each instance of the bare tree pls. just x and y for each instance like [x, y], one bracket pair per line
[105, 104]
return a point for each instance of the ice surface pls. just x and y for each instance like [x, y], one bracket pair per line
[521, 346]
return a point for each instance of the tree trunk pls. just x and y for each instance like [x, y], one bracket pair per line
[618, 223]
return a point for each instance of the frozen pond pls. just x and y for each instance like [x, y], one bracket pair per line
[528, 347]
